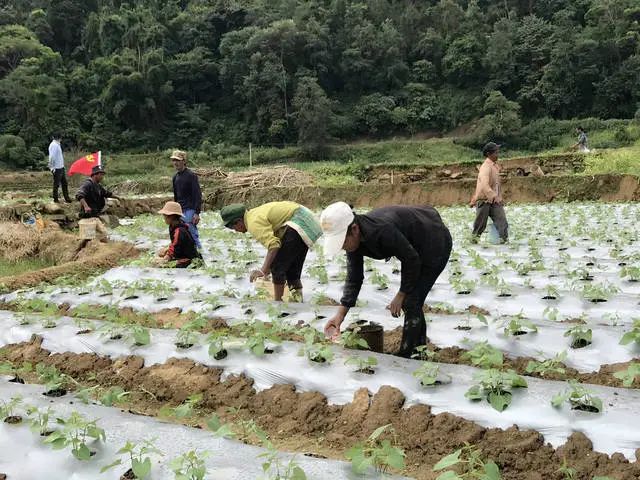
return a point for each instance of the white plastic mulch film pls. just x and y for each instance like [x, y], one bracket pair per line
[564, 263]
[24, 456]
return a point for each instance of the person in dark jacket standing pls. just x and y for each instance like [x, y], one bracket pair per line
[414, 235]
[186, 191]
[92, 195]
[182, 249]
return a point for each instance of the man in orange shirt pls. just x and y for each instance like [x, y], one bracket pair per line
[488, 195]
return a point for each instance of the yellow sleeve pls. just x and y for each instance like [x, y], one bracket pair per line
[260, 228]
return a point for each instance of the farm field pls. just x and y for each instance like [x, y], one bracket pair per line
[540, 333]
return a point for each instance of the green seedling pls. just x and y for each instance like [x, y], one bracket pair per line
[463, 286]
[377, 453]
[428, 374]
[246, 429]
[551, 313]
[140, 335]
[49, 322]
[423, 353]
[219, 429]
[139, 459]
[633, 335]
[216, 341]
[75, 432]
[7, 410]
[631, 273]
[186, 409]
[565, 470]
[580, 336]
[496, 387]
[352, 339]
[629, 375]
[85, 394]
[380, 280]
[276, 469]
[579, 398]
[551, 292]
[259, 336]
[39, 420]
[484, 355]
[189, 333]
[319, 272]
[503, 288]
[49, 375]
[83, 324]
[469, 466]
[190, 465]
[114, 396]
[519, 326]
[7, 368]
[315, 350]
[549, 366]
[364, 365]
[599, 292]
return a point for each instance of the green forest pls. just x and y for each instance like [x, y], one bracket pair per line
[152, 74]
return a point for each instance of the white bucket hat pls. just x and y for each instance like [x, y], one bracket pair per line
[335, 221]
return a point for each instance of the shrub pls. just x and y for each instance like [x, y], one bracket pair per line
[15, 154]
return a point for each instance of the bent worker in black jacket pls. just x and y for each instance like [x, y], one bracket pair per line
[414, 235]
[92, 195]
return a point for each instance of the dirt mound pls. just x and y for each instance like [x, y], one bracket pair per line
[454, 355]
[305, 421]
[85, 260]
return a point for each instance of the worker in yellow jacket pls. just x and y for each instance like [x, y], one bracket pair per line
[287, 230]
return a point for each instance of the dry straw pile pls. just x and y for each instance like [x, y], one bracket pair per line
[18, 242]
[267, 177]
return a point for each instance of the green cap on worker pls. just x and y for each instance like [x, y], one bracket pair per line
[232, 213]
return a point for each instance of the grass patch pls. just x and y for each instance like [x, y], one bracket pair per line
[10, 268]
[620, 161]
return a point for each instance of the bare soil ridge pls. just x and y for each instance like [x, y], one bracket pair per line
[306, 422]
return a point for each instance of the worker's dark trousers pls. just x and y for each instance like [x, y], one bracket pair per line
[414, 331]
[484, 210]
[59, 178]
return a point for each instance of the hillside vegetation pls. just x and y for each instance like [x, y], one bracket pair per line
[138, 76]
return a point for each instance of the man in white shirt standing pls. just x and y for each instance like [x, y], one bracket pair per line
[56, 165]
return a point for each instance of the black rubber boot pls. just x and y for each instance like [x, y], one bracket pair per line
[414, 334]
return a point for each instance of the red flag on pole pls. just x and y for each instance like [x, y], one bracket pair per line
[84, 165]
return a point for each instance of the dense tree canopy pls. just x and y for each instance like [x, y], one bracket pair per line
[142, 74]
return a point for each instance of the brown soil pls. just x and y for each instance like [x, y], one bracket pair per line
[306, 422]
[86, 260]
[454, 355]
[446, 191]
[166, 318]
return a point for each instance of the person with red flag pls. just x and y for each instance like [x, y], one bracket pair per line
[84, 165]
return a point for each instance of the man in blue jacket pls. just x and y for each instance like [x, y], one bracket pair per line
[186, 191]
[414, 235]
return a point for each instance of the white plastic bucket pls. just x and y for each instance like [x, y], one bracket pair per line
[494, 236]
[87, 228]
